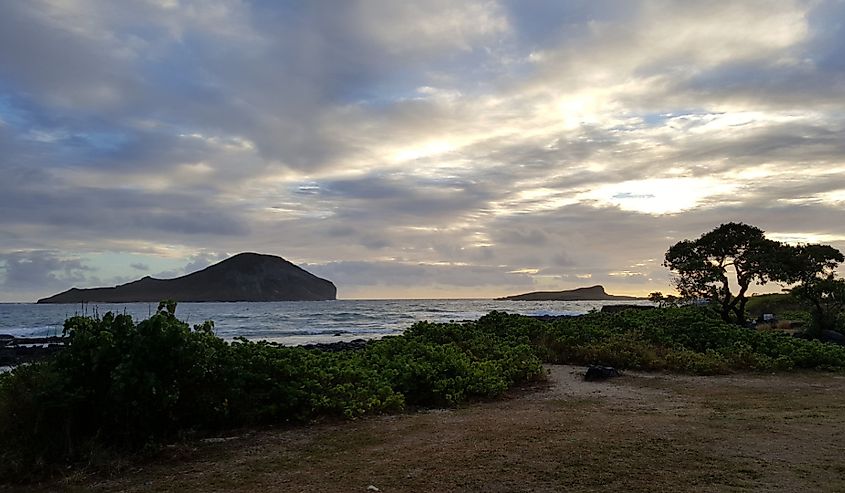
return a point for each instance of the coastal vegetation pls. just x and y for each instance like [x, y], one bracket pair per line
[122, 386]
[783, 304]
[826, 300]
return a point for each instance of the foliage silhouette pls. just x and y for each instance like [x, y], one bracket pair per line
[704, 267]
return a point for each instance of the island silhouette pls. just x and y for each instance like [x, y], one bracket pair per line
[243, 277]
[592, 293]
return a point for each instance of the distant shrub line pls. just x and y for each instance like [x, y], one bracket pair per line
[687, 340]
[124, 385]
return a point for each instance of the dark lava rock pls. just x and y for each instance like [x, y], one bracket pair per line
[6, 339]
[334, 347]
[833, 337]
[829, 336]
[244, 277]
[17, 350]
[597, 373]
[550, 318]
[622, 308]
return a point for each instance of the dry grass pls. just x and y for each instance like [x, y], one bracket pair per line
[640, 432]
[787, 326]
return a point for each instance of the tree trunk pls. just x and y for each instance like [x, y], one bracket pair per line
[726, 308]
[726, 302]
[740, 313]
[738, 304]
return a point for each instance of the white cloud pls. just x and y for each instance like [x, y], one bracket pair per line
[662, 195]
[410, 27]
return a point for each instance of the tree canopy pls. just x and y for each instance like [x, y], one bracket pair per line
[826, 297]
[704, 267]
[813, 267]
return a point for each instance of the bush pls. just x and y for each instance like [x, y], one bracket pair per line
[781, 304]
[123, 385]
[272, 384]
[687, 339]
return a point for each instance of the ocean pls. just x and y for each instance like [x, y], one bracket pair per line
[293, 322]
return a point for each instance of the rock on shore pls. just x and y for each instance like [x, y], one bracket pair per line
[17, 350]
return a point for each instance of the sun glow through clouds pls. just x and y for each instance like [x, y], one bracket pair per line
[659, 195]
[428, 149]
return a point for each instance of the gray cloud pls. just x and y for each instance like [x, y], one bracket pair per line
[414, 145]
[203, 260]
[27, 270]
[27, 274]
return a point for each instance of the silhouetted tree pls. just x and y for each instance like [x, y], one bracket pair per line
[813, 267]
[664, 300]
[806, 264]
[826, 297]
[702, 266]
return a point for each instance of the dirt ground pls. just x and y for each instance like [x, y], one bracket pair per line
[640, 432]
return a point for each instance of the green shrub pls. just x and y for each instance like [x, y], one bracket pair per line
[448, 363]
[785, 306]
[699, 363]
[686, 339]
[123, 385]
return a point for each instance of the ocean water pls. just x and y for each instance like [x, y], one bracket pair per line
[293, 322]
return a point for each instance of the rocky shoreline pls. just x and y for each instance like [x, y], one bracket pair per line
[334, 347]
[604, 309]
[17, 350]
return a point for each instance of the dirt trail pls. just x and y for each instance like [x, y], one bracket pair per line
[640, 432]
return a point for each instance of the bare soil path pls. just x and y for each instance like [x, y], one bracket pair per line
[640, 432]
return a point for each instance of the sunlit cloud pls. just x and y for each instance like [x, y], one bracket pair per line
[427, 149]
[415, 148]
[805, 238]
[835, 197]
[660, 195]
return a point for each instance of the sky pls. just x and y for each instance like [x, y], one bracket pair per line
[427, 149]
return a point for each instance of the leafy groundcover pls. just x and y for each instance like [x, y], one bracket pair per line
[123, 386]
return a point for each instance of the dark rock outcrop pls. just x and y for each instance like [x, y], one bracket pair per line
[17, 350]
[622, 308]
[830, 336]
[833, 337]
[335, 347]
[244, 277]
[592, 293]
[551, 318]
[597, 373]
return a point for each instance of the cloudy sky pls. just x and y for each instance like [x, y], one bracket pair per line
[411, 149]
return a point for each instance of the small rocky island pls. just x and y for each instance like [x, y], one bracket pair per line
[592, 293]
[244, 277]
